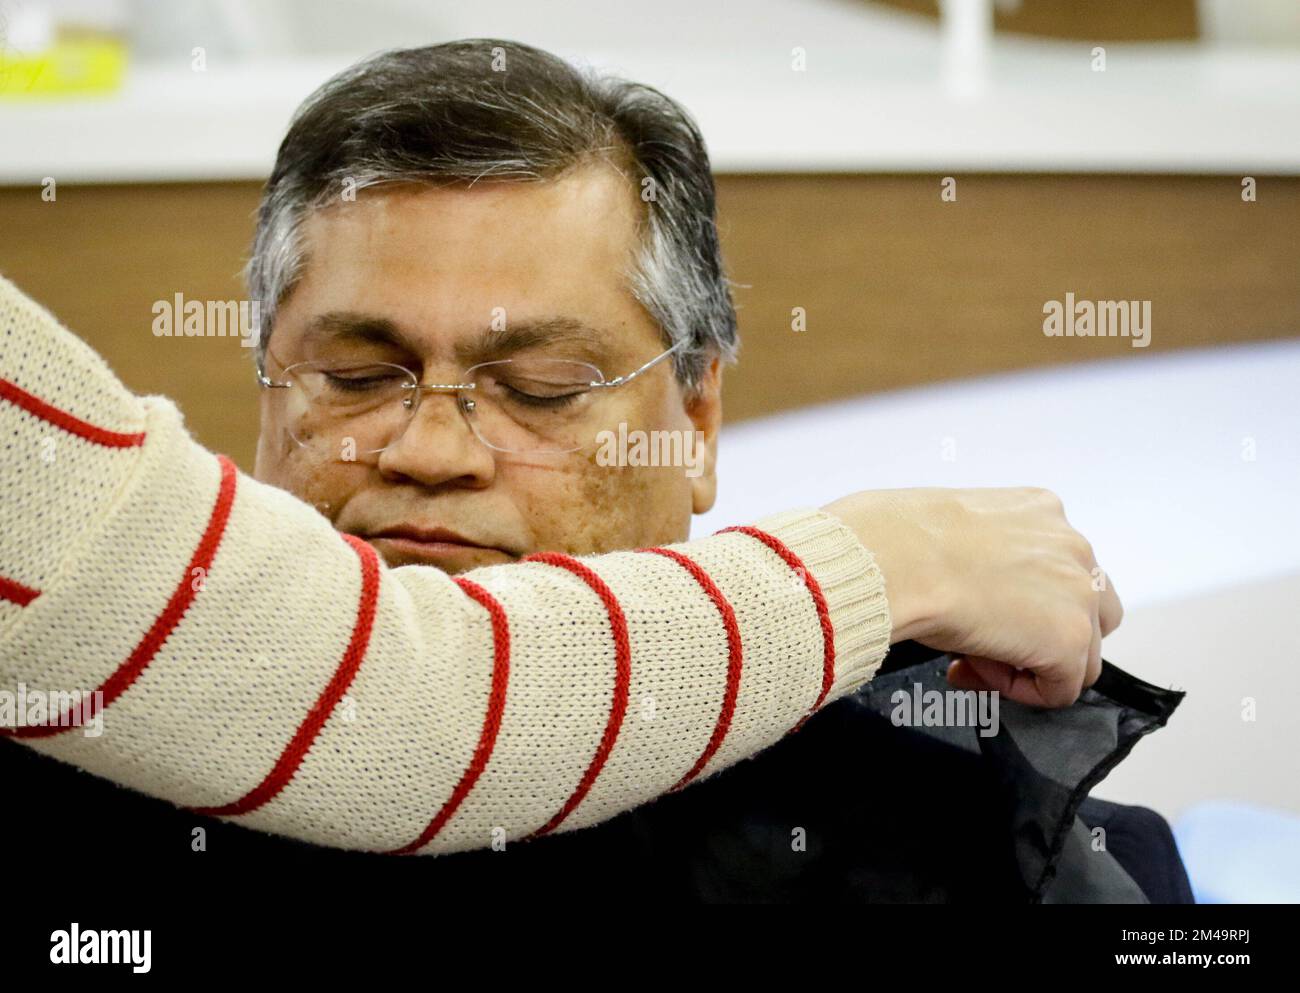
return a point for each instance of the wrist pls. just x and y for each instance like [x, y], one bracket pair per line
[906, 552]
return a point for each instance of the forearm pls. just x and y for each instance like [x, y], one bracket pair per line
[255, 664]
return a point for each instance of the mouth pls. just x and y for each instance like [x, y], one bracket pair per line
[441, 547]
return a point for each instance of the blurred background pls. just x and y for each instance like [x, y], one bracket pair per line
[903, 187]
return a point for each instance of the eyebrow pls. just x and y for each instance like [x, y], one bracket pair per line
[347, 325]
[491, 341]
[516, 336]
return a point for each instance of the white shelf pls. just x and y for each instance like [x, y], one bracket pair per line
[877, 102]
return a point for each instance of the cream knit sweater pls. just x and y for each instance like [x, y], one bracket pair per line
[257, 665]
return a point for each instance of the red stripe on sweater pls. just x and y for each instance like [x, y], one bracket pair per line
[492, 721]
[296, 751]
[819, 601]
[622, 680]
[17, 592]
[181, 598]
[33, 404]
[735, 658]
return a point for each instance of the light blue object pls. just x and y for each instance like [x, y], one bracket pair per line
[1237, 853]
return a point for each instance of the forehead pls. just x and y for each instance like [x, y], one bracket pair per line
[464, 256]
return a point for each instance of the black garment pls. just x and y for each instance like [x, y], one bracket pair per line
[1143, 843]
[883, 813]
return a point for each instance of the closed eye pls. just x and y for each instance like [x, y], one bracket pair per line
[361, 384]
[553, 401]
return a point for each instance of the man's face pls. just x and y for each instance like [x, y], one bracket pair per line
[417, 276]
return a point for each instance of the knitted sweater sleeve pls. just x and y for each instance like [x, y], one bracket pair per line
[179, 628]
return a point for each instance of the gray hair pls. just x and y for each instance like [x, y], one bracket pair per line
[485, 108]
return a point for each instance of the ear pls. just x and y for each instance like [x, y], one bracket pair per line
[704, 409]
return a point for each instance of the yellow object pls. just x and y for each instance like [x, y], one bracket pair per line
[71, 67]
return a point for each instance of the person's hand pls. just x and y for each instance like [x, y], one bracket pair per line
[995, 577]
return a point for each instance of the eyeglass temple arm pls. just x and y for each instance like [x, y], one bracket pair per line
[610, 383]
[266, 383]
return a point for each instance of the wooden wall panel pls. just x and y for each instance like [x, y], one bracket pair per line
[99, 256]
[899, 288]
[1090, 21]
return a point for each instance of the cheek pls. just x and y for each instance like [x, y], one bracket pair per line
[587, 508]
[607, 508]
[307, 473]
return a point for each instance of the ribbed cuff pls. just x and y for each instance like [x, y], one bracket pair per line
[852, 584]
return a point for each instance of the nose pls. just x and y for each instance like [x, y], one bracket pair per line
[438, 447]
